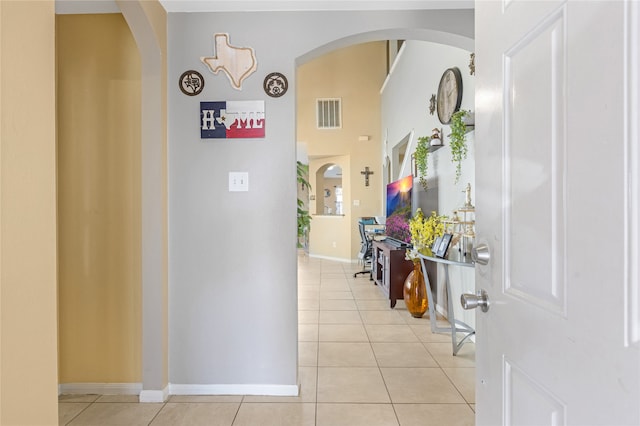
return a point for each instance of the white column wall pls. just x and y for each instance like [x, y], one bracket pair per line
[405, 108]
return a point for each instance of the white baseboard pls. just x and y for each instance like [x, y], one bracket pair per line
[336, 259]
[100, 388]
[269, 390]
[154, 395]
[175, 389]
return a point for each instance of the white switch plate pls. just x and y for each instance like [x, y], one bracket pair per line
[238, 181]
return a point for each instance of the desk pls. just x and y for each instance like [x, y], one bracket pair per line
[456, 326]
[374, 230]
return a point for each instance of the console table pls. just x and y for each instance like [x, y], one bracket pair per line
[456, 326]
[389, 269]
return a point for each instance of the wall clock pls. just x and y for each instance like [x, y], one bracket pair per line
[449, 94]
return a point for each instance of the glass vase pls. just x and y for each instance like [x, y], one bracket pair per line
[415, 292]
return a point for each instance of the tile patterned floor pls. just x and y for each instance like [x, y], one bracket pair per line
[360, 363]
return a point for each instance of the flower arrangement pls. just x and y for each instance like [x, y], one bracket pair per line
[424, 231]
[412, 255]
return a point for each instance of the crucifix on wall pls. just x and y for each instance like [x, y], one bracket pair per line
[366, 172]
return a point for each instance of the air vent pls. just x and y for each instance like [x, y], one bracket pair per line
[329, 113]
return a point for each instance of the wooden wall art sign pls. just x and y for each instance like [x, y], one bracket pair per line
[232, 119]
[275, 84]
[191, 83]
[237, 63]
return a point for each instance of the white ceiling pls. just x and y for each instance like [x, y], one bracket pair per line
[110, 6]
[294, 5]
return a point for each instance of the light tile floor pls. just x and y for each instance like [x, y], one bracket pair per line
[360, 363]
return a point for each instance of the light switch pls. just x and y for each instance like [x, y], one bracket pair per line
[238, 181]
[356, 203]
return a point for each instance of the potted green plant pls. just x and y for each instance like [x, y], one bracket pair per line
[458, 138]
[421, 155]
[304, 218]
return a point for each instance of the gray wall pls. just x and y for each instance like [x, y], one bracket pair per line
[232, 255]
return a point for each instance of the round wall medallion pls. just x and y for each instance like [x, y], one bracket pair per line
[275, 85]
[191, 83]
[432, 104]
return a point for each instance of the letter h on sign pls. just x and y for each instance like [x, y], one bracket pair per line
[211, 124]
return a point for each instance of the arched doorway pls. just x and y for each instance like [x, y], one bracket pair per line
[329, 190]
[368, 152]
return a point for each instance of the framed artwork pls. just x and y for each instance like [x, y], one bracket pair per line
[436, 244]
[232, 119]
[441, 251]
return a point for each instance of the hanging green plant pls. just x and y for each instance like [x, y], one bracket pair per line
[304, 218]
[421, 155]
[458, 141]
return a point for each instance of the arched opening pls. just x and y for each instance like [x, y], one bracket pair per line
[329, 190]
[378, 155]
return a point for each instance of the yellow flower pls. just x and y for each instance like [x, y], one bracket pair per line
[424, 231]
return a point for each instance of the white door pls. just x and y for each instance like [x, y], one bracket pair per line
[557, 111]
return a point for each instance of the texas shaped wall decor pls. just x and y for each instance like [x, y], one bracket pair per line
[238, 63]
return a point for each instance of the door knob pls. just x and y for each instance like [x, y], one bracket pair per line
[472, 301]
[480, 254]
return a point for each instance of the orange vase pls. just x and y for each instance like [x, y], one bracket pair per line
[415, 292]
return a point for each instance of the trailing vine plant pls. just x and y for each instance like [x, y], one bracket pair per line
[458, 141]
[304, 218]
[421, 155]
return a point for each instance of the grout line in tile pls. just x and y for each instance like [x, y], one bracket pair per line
[80, 412]
[164, 404]
[235, 416]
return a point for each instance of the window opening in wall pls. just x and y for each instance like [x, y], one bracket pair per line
[393, 47]
[398, 154]
[329, 113]
[338, 192]
[329, 199]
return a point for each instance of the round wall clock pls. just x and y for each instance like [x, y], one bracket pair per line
[449, 94]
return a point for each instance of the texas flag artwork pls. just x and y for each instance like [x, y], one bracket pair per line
[232, 119]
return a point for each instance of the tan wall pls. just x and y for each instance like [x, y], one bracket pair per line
[98, 200]
[354, 74]
[28, 369]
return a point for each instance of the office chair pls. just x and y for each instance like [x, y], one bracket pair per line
[366, 247]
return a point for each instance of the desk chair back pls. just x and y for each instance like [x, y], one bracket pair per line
[366, 247]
